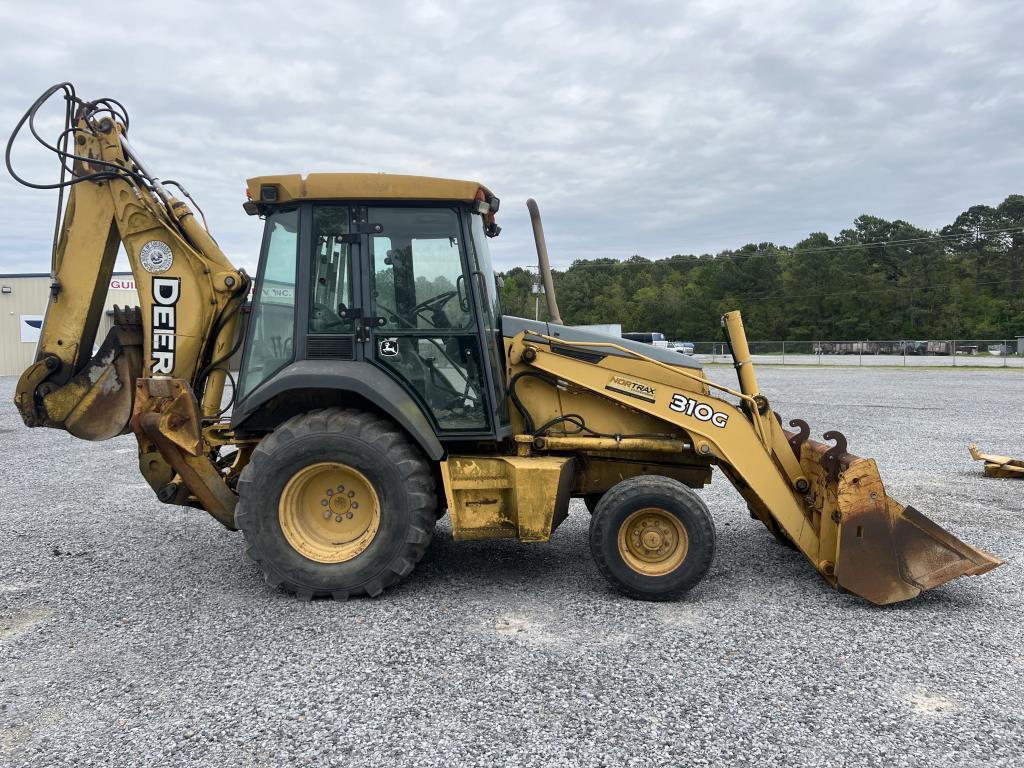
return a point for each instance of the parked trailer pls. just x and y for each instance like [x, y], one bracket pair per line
[910, 347]
[856, 348]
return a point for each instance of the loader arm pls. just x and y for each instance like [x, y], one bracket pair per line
[190, 299]
[830, 504]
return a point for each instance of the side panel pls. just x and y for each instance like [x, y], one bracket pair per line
[361, 379]
[508, 496]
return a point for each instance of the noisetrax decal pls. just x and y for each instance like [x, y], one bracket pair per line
[166, 292]
[700, 411]
[632, 388]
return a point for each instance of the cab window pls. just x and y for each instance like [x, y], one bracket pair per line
[419, 281]
[332, 288]
[428, 338]
[273, 312]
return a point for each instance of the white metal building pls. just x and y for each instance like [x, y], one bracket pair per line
[23, 300]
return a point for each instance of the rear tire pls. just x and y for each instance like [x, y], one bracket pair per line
[336, 503]
[652, 538]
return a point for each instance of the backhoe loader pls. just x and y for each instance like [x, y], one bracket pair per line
[380, 387]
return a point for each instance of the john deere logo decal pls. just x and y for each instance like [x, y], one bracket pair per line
[632, 388]
[388, 347]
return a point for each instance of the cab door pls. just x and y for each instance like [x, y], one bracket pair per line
[426, 332]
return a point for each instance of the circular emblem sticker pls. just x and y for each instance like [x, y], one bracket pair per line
[156, 257]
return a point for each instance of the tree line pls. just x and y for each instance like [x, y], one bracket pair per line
[878, 279]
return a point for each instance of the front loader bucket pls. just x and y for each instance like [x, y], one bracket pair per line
[883, 551]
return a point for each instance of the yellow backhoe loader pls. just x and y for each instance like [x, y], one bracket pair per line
[380, 386]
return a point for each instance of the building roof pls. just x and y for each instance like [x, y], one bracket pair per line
[15, 275]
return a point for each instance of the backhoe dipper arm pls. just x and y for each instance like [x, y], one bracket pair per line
[190, 294]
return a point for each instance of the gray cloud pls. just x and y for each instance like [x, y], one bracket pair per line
[650, 128]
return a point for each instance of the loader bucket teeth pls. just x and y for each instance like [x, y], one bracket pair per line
[883, 551]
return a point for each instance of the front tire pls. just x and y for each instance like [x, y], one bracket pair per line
[652, 537]
[336, 503]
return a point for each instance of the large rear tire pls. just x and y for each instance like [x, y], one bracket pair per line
[652, 537]
[336, 503]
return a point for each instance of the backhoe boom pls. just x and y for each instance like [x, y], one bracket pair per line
[190, 298]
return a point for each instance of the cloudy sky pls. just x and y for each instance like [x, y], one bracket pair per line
[650, 128]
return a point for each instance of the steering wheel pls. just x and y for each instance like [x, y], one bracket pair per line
[435, 305]
[434, 302]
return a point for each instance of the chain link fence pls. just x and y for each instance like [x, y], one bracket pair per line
[988, 353]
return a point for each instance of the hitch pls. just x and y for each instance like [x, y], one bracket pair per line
[167, 415]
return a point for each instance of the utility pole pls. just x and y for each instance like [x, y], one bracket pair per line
[537, 289]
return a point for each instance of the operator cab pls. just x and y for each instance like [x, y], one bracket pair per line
[379, 277]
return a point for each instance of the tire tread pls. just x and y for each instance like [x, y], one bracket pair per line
[601, 522]
[382, 435]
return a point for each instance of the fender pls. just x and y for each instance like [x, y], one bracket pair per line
[365, 381]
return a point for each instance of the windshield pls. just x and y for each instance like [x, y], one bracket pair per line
[272, 322]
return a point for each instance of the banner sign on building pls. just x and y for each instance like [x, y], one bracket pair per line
[30, 325]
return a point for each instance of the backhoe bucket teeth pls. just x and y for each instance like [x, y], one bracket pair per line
[882, 551]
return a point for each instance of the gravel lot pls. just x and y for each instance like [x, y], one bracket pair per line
[132, 633]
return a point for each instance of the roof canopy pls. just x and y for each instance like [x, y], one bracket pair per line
[367, 186]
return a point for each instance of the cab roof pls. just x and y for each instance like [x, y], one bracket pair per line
[364, 186]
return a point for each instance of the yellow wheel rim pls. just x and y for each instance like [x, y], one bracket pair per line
[329, 512]
[652, 541]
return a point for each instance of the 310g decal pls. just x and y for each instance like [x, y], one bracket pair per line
[699, 411]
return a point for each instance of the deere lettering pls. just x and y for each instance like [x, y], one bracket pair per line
[699, 411]
[166, 291]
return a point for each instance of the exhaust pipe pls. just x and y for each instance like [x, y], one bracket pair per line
[543, 263]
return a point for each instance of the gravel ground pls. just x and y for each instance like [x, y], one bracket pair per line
[132, 633]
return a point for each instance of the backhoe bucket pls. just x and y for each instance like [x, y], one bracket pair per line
[96, 403]
[883, 551]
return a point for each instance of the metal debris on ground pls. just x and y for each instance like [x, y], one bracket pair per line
[998, 466]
